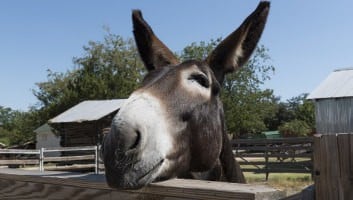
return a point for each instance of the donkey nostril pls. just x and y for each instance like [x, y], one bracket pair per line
[137, 140]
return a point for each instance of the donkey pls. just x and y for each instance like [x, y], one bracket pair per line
[173, 124]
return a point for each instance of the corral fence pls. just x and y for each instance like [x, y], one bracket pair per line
[89, 154]
[283, 155]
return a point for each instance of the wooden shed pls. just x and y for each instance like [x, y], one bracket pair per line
[45, 137]
[333, 155]
[333, 100]
[82, 124]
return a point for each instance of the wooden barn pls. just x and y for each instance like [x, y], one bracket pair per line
[333, 156]
[82, 124]
[46, 138]
[333, 100]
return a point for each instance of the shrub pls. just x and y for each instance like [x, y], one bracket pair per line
[295, 128]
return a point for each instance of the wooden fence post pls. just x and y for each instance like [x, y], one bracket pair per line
[333, 166]
[96, 159]
[41, 160]
[266, 165]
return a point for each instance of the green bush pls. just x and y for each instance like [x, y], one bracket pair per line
[295, 128]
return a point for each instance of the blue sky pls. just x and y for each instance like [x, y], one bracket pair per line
[307, 39]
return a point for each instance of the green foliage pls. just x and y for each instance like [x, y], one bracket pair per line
[296, 108]
[18, 126]
[198, 51]
[295, 128]
[6, 116]
[108, 70]
[246, 105]
[303, 109]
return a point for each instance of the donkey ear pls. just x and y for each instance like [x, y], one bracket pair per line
[152, 51]
[235, 50]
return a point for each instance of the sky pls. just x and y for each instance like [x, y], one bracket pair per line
[306, 39]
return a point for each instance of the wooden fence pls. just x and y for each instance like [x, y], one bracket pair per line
[285, 155]
[34, 185]
[333, 166]
[40, 157]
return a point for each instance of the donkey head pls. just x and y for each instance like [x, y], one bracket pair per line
[173, 124]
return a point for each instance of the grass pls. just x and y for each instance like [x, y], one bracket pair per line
[291, 183]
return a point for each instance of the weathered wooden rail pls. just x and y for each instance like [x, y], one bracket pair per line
[284, 155]
[39, 157]
[35, 185]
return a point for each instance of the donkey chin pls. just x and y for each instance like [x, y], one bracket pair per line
[128, 170]
[134, 176]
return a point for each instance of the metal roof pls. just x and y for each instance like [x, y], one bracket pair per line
[338, 84]
[45, 128]
[88, 111]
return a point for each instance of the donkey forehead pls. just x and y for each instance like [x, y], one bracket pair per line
[177, 72]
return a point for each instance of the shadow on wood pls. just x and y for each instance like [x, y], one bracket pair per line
[33, 185]
[333, 166]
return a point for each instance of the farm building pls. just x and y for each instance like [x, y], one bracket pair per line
[82, 124]
[333, 100]
[45, 137]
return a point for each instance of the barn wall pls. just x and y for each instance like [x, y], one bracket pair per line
[78, 134]
[334, 115]
[48, 140]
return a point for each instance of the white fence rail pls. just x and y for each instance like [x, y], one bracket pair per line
[43, 158]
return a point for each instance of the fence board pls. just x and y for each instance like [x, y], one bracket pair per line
[68, 158]
[20, 151]
[333, 166]
[62, 149]
[45, 186]
[296, 140]
[345, 151]
[20, 162]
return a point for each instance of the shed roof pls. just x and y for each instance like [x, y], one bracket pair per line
[91, 110]
[338, 84]
[45, 128]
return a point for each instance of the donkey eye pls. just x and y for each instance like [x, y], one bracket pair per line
[201, 79]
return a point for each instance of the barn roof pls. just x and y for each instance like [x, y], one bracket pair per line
[45, 128]
[91, 110]
[338, 84]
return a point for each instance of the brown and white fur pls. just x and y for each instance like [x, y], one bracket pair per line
[173, 125]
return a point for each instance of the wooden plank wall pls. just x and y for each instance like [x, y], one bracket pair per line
[334, 115]
[333, 166]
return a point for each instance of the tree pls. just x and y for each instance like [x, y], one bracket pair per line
[281, 114]
[6, 116]
[18, 126]
[24, 125]
[295, 128]
[109, 69]
[303, 117]
[246, 105]
[303, 109]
